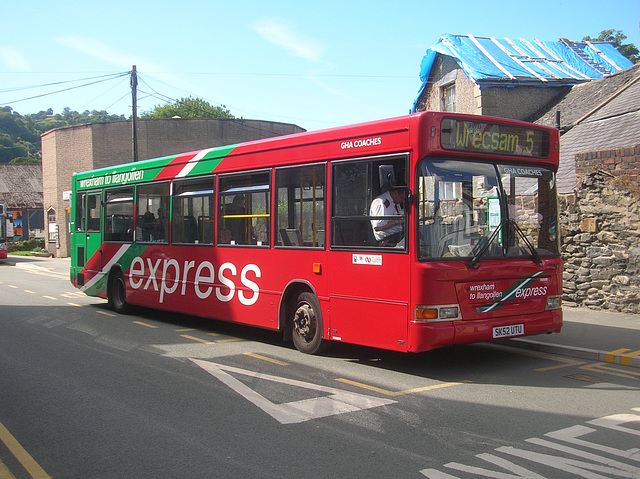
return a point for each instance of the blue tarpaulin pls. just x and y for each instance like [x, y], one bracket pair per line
[489, 61]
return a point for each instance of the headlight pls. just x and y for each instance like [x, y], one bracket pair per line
[554, 302]
[445, 312]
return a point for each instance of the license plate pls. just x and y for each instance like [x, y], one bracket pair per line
[506, 331]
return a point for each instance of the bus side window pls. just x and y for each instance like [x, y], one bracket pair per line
[300, 212]
[244, 216]
[152, 223]
[355, 185]
[193, 211]
[118, 215]
[79, 216]
[93, 212]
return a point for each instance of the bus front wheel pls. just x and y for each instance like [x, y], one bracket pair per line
[307, 324]
[117, 293]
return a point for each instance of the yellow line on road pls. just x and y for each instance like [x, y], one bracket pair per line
[105, 313]
[29, 291]
[264, 358]
[230, 340]
[146, 325]
[400, 393]
[32, 467]
[193, 338]
[599, 367]
[5, 473]
[51, 297]
[12, 286]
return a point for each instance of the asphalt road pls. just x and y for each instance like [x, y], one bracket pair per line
[86, 393]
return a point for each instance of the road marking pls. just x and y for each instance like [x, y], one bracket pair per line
[565, 362]
[146, 325]
[186, 330]
[12, 286]
[51, 297]
[609, 370]
[592, 460]
[73, 295]
[29, 291]
[611, 355]
[28, 462]
[105, 313]
[264, 358]
[339, 401]
[5, 473]
[75, 304]
[230, 340]
[400, 393]
[193, 338]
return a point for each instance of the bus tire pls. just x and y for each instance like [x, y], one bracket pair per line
[117, 293]
[306, 324]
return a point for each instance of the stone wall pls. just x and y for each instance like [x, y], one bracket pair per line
[601, 232]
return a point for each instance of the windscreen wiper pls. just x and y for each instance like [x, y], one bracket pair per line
[534, 253]
[482, 247]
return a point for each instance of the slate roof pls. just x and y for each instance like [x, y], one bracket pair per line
[21, 186]
[603, 114]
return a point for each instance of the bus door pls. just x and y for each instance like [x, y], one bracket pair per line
[88, 231]
[369, 272]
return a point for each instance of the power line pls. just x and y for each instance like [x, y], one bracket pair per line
[111, 77]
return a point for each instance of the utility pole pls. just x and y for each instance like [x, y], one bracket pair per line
[134, 102]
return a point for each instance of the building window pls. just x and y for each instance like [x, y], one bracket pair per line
[51, 219]
[448, 98]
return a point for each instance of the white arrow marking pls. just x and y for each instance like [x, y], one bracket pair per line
[339, 402]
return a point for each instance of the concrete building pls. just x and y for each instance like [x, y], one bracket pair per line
[97, 145]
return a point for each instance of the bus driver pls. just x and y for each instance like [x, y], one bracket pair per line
[390, 203]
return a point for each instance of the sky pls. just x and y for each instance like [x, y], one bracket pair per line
[315, 64]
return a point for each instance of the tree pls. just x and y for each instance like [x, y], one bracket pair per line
[616, 37]
[188, 108]
[20, 134]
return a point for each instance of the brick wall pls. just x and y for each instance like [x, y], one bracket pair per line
[617, 162]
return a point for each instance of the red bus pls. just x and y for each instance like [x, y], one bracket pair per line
[3, 231]
[406, 234]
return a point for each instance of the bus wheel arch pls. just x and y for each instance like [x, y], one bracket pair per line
[301, 317]
[117, 291]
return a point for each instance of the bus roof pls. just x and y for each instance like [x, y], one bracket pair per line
[376, 137]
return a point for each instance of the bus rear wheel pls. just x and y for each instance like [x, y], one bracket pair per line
[117, 293]
[306, 324]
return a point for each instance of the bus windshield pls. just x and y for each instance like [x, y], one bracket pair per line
[478, 211]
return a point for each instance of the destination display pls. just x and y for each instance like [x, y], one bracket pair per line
[495, 138]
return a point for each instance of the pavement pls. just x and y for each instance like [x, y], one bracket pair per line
[592, 335]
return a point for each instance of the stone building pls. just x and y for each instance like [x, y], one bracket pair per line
[508, 78]
[599, 182]
[592, 93]
[96, 145]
